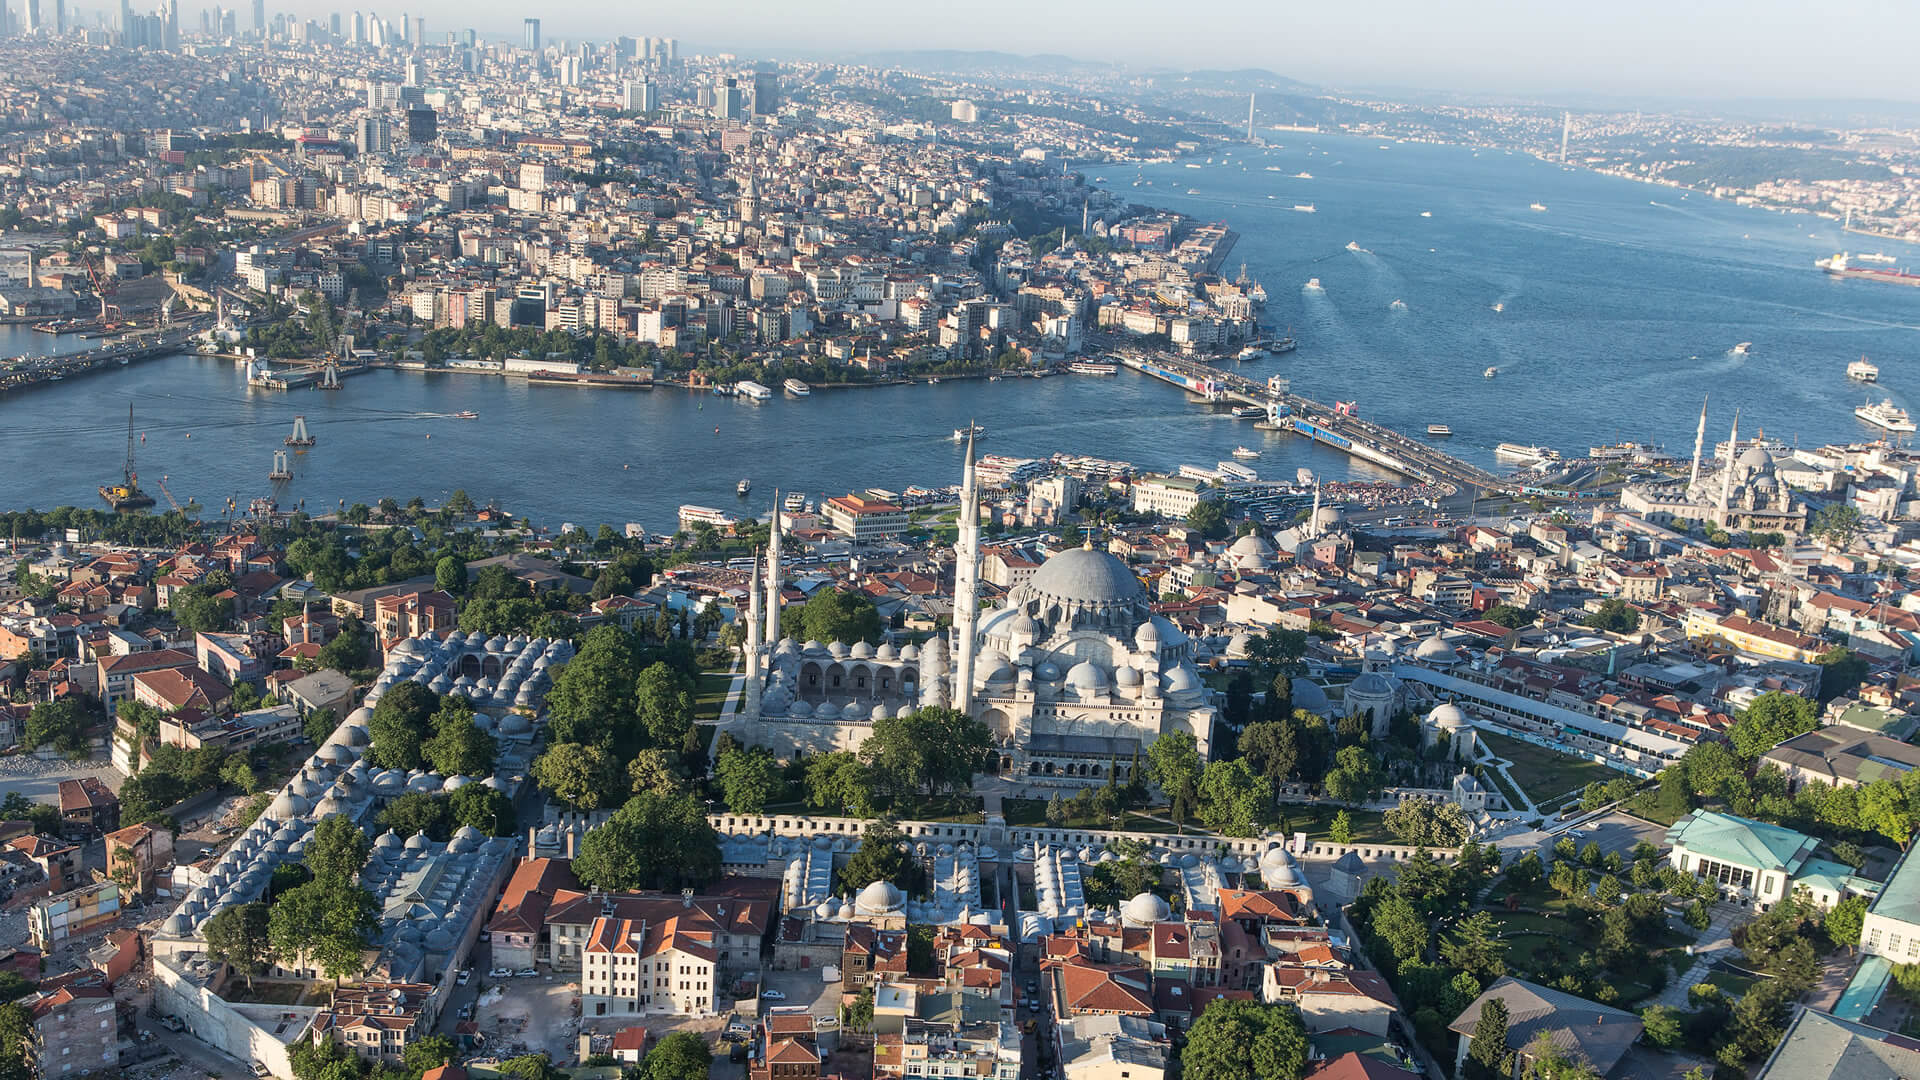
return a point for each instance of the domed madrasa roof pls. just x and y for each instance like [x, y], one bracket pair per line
[881, 896]
[1448, 717]
[1145, 909]
[1084, 576]
[1435, 649]
[1370, 684]
[1311, 696]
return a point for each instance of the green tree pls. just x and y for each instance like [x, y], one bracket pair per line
[1173, 764]
[1513, 618]
[1841, 669]
[450, 575]
[324, 925]
[1233, 799]
[749, 779]
[400, 726]
[318, 725]
[680, 1055]
[653, 842]
[1475, 947]
[1246, 1040]
[1208, 519]
[1835, 524]
[1403, 929]
[1616, 616]
[879, 858]
[1341, 829]
[1426, 824]
[197, 609]
[1662, 1027]
[237, 935]
[1272, 748]
[1487, 1055]
[654, 770]
[839, 783]
[532, 1067]
[16, 1042]
[584, 777]
[831, 615]
[1773, 718]
[484, 809]
[930, 749]
[664, 705]
[1844, 920]
[458, 746]
[592, 699]
[336, 849]
[429, 1052]
[61, 725]
[1355, 776]
[416, 812]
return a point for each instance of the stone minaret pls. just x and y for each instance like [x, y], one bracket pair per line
[1699, 444]
[1726, 473]
[773, 575]
[966, 587]
[754, 678]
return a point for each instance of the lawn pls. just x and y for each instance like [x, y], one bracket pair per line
[1731, 983]
[1492, 776]
[1032, 814]
[957, 808]
[709, 693]
[1545, 775]
[1316, 820]
[1539, 947]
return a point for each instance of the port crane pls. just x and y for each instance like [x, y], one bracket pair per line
[103, 284]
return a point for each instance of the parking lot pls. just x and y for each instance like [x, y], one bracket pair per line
[802, 988]
[1618, 832]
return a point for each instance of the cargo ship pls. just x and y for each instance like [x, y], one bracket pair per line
[1841, 265]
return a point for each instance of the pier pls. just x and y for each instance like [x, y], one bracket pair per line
[1332, 426]
[22, 372]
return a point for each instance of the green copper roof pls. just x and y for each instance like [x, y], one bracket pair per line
[1900, 897]
[1737, 840]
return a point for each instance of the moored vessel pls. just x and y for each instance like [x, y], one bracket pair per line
[796, 388]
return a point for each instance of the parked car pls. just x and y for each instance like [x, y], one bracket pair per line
[261, 1070]
[465, 974]
[500, 973]
[173, 1023]
[528, 973]
[772, 995]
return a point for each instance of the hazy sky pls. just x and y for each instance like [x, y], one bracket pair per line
[1694, 48]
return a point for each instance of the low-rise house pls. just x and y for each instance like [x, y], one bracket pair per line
[137, 856]
[376, 1020]
[1819, 1046]
[55, 921]
[1755, 861]
[1113, 1048]
[1842, 756]
[630, 967]
[74, 1026]
[88, 807]
[1599, 1034]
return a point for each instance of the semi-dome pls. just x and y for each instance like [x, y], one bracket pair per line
[1084, 576]
[1145, 909]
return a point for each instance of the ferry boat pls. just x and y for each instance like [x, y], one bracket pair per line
[1284, 345]
[1305, 208]
[978, 431]
[691, 515]
[795, 502]
[1743, 348]
[1880, 257]
[1519, 452]
[747, 388]
[1245, 452]
[1885, 415]
[1439, 430]
[1490, 373]
[745, 485]
[1093, 367]
[1863, 370]
[1251, 352]
[1248, 412]
[796, 388]
[1314, 285]
[1233, 470]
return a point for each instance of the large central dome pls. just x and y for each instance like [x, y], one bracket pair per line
[1084, 576]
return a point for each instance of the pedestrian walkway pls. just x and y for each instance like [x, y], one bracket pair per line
[1502, 765]
[1715, 941]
